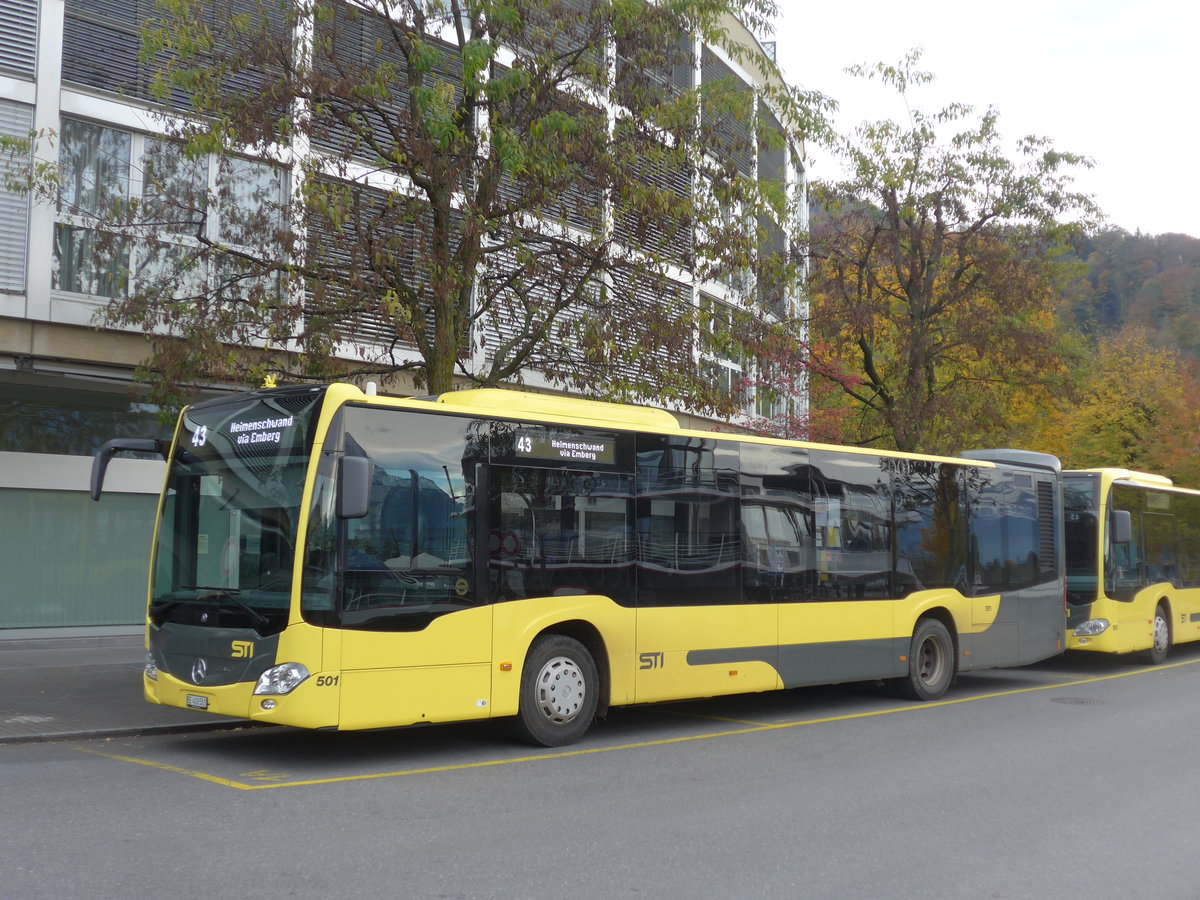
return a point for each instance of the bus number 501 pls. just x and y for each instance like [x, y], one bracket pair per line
[327, 680]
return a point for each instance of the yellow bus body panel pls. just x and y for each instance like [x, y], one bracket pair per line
[441, 673]
[963, 610]
[222, 700]
[836, 620]
[1132, 623]
[519, 622]
[1185, 614]
[668, 634]
[382, 698]
[1130, 627]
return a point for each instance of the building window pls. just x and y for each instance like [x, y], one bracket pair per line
[69, 417]
[722, 353]
[95, 185]
[136, 214]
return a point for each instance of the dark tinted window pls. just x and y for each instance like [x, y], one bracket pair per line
[852, 526]
[1022, 525]
[72, 419]
[1080, 536]
[1012, 529]
[777, 525]
[559, 532]
[688, 534]
[930, 526]
[987, 512]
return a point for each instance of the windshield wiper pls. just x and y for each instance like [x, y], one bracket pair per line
[229, 594]
[161, 606]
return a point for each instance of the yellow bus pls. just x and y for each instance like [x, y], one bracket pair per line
[328, 558]
[1133, 562]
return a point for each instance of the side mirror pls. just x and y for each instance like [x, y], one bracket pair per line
[354, 487]
[102, 457]
[1121, 527]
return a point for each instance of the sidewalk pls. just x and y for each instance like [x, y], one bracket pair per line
[61, 683]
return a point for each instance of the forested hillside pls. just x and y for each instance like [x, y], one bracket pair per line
[1147, 280]
[1134, 390]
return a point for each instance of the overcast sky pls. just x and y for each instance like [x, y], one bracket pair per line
[1115, 80]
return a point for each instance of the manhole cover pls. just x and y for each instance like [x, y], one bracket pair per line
[1078, 701]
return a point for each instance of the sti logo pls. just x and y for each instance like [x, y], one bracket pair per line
[242, 649]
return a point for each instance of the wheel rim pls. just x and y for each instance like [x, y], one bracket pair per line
[560, 689]
[931, 661]
[1162, 633]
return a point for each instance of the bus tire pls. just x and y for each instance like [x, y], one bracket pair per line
[1160, 637]
[930, 662]
[559, 692]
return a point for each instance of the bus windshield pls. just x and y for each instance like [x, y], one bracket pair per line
[1081, 503]
[230, 517]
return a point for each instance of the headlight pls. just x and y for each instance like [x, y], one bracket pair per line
[1091, 628]
[151, 669]
[281, 679]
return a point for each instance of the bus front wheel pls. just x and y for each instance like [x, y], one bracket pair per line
[559, 692]
[930, 662]
[1161, 637]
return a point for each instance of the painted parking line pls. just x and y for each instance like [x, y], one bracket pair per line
[263, 779]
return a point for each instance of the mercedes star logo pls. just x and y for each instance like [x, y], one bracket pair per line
[199, 670]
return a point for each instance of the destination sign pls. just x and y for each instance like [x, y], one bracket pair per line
[263, 431]
[566, 447]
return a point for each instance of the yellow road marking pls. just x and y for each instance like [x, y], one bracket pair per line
[751, 728]
[203, 776]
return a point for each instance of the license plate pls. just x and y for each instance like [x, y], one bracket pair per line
[195, 701]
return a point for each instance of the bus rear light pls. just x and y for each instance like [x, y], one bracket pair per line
[1091, 627]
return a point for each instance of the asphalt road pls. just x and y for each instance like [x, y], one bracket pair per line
[1074, 778]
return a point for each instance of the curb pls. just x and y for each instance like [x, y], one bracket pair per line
[133, 731]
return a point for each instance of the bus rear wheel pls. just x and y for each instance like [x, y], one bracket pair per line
[930, 662]
[559, 692]
[1157, 654]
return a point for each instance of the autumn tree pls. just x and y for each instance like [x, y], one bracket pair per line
[1136, 406]
[935, 272]
[462, 189]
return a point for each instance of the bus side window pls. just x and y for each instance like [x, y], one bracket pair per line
[1188, 519]
[408, 559]
[930, 528]
[689, 532]
[1127, 572]
[852, 528]
[559, 532]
